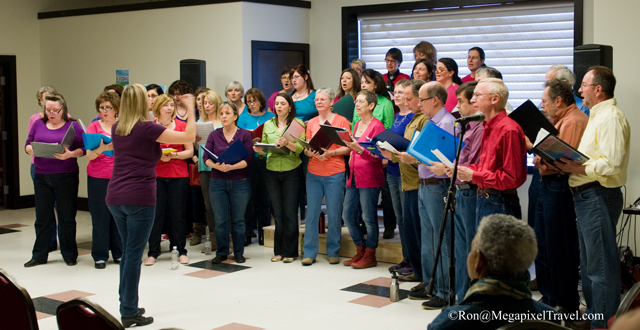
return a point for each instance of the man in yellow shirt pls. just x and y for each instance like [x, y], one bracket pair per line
[596, 192]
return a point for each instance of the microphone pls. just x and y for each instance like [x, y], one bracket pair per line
[477, 117]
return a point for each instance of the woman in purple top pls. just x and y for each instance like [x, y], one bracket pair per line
[229, 187]
[363, 186]
[131, 194]
[55, 182]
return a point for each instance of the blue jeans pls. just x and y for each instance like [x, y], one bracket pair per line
[431, 206]
[397, 198]
[284, 191]
[598, 210]
[368, 200]
[59, 189]
[171, 194]
[54, 226]
[332, 189]
[557, 236]
[134, 223]
[497, 203]
[105, 232]
[465, 230]
[412, 232]
[229, 199]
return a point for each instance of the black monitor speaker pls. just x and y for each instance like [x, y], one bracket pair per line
[194, 72]
[586, 56]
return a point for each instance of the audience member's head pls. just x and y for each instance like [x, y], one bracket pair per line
[393, 60]
[503, 247]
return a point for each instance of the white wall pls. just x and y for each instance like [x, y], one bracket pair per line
[270, 23]
[87, 50]
[21, 40]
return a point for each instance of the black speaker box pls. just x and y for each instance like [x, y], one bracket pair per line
[586, 56]
[194, 72]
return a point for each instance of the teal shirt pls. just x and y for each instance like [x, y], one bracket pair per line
[276, 162]
[382, 112]
[201, 166]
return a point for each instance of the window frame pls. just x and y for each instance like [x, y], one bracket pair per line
[350, 18]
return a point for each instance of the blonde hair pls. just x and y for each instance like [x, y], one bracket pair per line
[497, 86]
[133, 109]
[214, 97]
[160, 102]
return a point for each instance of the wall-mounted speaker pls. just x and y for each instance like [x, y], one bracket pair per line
[586, 56]
[194, 72]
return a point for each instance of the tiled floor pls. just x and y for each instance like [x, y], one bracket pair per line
[258, 294]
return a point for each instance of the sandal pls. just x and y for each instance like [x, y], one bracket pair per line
[288, 260]
[276, 259]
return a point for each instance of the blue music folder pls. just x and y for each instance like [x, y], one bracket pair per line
[430, 138]
[394, 139]
[92, 141]
[234, 153]
[371, 146]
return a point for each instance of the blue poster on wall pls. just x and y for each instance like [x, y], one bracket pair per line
[122, 77]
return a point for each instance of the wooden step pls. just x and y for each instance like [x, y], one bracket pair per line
[389, 250]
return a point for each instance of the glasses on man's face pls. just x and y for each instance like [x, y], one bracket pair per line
[425, 100]
[105, 109]
[583, 85]
[53, 112]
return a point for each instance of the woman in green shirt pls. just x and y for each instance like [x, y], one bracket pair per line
[284, 178]
[372, 81]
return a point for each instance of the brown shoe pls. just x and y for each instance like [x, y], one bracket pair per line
[408, 278]
[334, 260]
[419, 287]
[198, 231]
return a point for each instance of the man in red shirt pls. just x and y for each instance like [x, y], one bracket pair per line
[502, 166]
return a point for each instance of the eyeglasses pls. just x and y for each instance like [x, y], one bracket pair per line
[391, 61]
[295, 77]
[153, 97]
[105, 109]
[53, 112]
[477, 95]
[361, 102]
[175, 96]
[253, 102]
[425, 100]
[441, 69]
[583, 85]
[320, 100]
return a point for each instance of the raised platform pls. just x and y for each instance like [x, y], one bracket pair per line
[389, 250]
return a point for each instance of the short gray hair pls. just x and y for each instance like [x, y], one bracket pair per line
[326, 91]
[233, 85]
[563, 73]
[45, 89]
[507, 244]
[497, 86]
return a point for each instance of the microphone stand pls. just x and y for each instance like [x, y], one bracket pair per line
[450, 210]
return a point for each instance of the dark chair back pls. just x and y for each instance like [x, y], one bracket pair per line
[81, 314]
[631, 300]
[533, 325]
[16, 307]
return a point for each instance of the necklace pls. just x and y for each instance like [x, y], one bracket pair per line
[181, 115]
[167, 125]
[297, 97]
[397, 124]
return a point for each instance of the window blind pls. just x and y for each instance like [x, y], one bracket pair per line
[521, 41]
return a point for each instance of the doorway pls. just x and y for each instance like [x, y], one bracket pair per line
[9, 146]
[268, 58]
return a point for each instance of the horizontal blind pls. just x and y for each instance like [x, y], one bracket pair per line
[521, 41]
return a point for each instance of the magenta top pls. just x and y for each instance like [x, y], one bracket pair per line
[134, 168]
[102, 166]
[271, 103]
[367, 168]
[41, 133]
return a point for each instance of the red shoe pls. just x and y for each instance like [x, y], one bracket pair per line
[369, 260]
[357, 257]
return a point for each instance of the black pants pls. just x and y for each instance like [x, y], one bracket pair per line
[284, 190]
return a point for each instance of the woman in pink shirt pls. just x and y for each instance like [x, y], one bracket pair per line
[365, 180]
[447, 75]
[105, 233]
